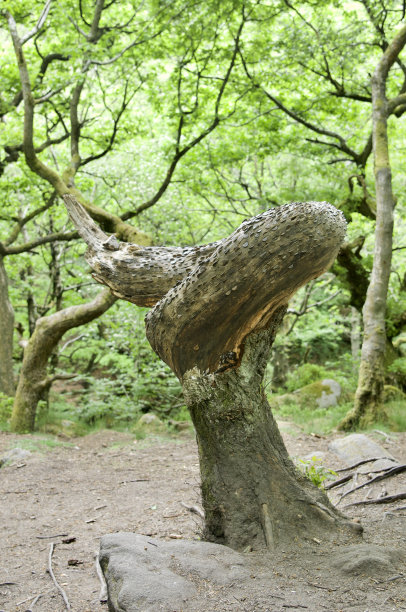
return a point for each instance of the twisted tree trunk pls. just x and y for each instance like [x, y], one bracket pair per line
[217, 309]
[33, 380]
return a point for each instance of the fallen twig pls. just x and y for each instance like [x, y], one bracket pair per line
[136, 480]
[51, 573]
[34, 601]
[7, 583]
[194, 509]
[388, 499]
[103, 587]
[319, 586]
[57, 535]
[387, 474]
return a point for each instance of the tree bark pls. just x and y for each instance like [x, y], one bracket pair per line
[216, 312]
[252, 493]
[33, 381]
[6, 335]
[368, 405]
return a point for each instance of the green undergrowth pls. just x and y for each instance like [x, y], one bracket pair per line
[65, 418]
[6, 406]
[315, 471]
[309, 418]
[39, 443]
[312, 419]
[297, 400]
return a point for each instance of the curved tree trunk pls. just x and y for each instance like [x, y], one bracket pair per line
[216, 312]
[252, 493]
[368, 405]
[33, 381]
[6, 335]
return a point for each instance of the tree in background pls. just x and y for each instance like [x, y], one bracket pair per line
[368, 406]
[113, 48]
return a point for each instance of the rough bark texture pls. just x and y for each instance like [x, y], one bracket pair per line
[218, 310]
[6, 335]
[252, 493]
[368, 405]
[49, 330]
[212, 297]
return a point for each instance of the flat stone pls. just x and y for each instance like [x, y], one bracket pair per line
[13, 456]
[368, 559]
[357, 447]
[316, 457]
[146, 574]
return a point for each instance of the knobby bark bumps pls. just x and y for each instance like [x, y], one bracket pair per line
[216, 309]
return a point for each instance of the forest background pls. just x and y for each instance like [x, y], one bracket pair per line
[172, 122]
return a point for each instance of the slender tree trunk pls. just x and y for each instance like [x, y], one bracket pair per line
[355, 337]
[368, 405]
[6, 335]
[49, 330]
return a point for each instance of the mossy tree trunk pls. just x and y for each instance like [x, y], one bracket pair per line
[216, 312]
[6, 335]
[34, 381]
[368, 405]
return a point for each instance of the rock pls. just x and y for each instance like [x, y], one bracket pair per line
[149, 423]
[149, 418]
[316, 457]
[331, 395]
[144, 574]
[13, 456]
[324, 393]
[356, 447]
[367, 559]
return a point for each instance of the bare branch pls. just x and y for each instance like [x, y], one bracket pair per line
[29, 246]
[39, 24]
[180, 152]
[24, 220]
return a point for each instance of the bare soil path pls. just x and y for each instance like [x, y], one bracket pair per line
[106, 482]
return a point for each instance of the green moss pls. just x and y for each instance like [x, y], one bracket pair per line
[314, 390]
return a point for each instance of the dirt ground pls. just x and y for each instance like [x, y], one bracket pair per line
[72, 494]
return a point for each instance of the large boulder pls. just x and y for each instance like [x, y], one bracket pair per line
[324, 393]
[358, 447]
[146, 574]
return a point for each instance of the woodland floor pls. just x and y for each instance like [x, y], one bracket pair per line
[107, 482]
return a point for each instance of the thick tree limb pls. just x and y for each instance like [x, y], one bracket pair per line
[241, 281]
[61, 184]
[142, 275]
[48, 332]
